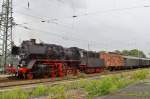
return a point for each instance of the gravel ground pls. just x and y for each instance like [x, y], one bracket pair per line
[4, 77]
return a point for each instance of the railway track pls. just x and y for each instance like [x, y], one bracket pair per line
[9, 85]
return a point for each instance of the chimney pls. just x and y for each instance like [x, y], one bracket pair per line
[33, 41]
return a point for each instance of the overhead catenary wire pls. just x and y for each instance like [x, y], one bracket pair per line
[53, 34]
[55, 20]
[87, 13]
[65, 38]
[45, 20]
[73, 39]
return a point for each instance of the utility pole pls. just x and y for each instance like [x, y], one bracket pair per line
[6, 21]
[87, 63]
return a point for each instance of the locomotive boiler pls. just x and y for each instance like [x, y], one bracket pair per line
[30, 50]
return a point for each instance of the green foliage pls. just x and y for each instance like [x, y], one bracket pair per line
[15, 94]
[134, 52]
[73, 85]
[57, 92]
[125, 52]
[113, 83]
[76, 85]
[98, 87]
[140, 75]
[82, 75]
[117, 51]
[56, 89]
[121, 81]
[105, 85]
[39, 91]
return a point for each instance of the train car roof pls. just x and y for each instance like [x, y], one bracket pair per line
[131, 57]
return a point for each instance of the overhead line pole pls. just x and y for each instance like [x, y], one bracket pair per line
[6, 24]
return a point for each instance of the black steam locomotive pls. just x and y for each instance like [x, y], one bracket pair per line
[73, 57]
[30, 50]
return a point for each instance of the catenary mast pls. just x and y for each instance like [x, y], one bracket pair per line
[6, 21]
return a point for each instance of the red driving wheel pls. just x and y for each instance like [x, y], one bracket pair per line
[29, 76]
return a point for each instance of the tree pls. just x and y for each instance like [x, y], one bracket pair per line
[137, 53]
[125, 52]
[118, 52]
[134, 53]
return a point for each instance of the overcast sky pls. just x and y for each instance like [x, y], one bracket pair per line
[104, 24]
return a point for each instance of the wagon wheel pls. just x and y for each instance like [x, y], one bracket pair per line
[29, 76]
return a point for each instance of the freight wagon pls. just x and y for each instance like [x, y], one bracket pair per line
[135, 62]
[112, 60]
[115, 61]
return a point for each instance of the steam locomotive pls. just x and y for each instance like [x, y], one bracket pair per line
[39, 58]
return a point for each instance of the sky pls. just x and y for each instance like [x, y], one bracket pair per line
[89, 24]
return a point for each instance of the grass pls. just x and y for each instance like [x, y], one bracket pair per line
[98, 87]
[111, 84]
[140, 75]
[39, 91]
[106, 85]
[57, 92]
[15, 94]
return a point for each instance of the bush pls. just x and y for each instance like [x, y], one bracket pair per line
[140, 75]
[101, 87]
[107, 85]
[120, 81]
